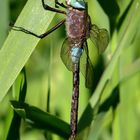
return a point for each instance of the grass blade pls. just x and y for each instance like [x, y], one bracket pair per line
[19, 46]
[42, 119]
[127, 32]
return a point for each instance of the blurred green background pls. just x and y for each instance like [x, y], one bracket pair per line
[115, 99]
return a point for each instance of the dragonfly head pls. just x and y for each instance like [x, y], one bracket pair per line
[79, 4]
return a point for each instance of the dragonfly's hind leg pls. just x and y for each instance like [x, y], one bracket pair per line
[16, 28]
[57, 4]
[47, 7]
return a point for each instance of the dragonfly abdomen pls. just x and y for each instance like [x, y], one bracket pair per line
[76, 54]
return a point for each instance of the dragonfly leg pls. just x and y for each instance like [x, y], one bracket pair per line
[47, 7]
[16, 28]
[57, 4]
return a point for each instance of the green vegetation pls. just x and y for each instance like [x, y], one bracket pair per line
[41, 96]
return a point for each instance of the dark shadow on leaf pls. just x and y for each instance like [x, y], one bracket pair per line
[124, 15]
[98, 70]
[112, 100]
[13, 132]
[14, 128]
[86, 118]
[111, 8]
[88, 114]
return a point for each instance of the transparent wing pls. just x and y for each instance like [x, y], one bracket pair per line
[65, 54]
[86, 67]
[100, 38]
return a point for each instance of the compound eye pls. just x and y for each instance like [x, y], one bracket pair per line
[79, 4]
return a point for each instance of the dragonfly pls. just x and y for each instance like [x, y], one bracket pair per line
[74, 51]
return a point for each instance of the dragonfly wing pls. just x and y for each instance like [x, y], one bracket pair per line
[100, 38]
[65, 54]
[86, 67]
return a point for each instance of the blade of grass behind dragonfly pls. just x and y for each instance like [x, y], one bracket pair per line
[47, 134]
[13, 120]
[41, 119]
[4, 15]
[19, 46]
[126, 34]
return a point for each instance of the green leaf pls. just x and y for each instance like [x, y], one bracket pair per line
[126, 34]
[42, 119]
[13, 120]
[19, 46]
[127, 116]
[100, 123]
[20, 86]
[4, 15]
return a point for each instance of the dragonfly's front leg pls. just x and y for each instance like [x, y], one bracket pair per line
[47, 7]
[36, 35]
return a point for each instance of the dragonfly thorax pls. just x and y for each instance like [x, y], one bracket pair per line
[76, 53]
[76, 23]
